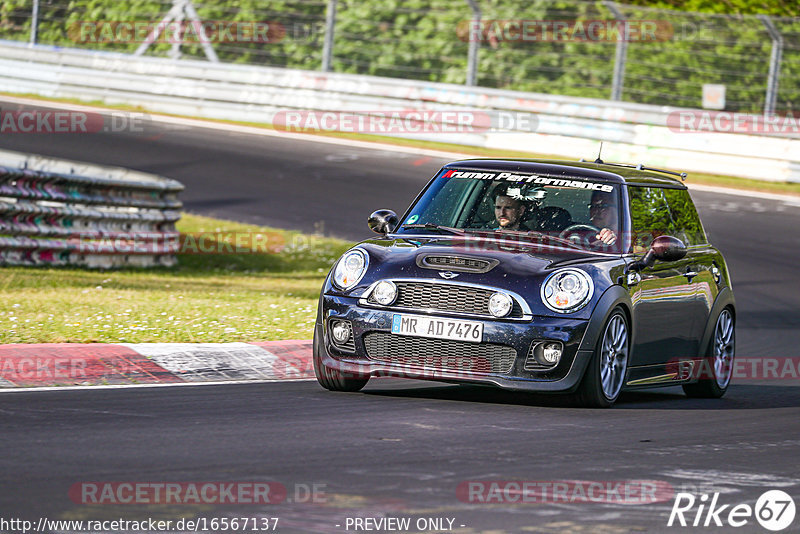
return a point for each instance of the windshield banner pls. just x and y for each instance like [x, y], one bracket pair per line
[529, 178]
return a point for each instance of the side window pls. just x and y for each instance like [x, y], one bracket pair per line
[688, 227]
[446, 203]
[650, 216]
[484, 208]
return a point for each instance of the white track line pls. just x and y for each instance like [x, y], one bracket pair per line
[23, 389]
[789, 199]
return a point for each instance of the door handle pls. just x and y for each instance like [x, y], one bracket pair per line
[690, 274]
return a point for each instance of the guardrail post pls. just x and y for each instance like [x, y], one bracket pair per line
[474, 45]
[204, 40]
[330, 27]
[35, 22]
[621, 55]
[180, 9]
[774, 64]
[175, 49]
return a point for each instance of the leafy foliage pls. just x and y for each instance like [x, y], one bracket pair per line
[708, 41]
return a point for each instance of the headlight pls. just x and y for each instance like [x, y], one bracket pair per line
[350, 269]
[567, 290]
[500, 304]
[385, 292]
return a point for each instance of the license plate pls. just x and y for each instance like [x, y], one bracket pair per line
[435, 327]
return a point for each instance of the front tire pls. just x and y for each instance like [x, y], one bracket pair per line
[605, 376]
[333, 379]
[718, 363]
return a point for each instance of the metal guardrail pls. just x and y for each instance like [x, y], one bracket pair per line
[599, 49]
[56, 218]
[567, 126]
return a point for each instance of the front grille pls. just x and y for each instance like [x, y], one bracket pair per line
[440, 354]
[447, 298]
[457, 263]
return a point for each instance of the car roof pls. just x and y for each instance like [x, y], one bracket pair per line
[603, 172]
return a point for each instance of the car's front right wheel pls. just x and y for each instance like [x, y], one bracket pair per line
[605, 376]
[333, 379]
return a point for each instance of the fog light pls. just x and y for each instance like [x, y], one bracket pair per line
[340, 331]
[500, 304]
[385, 292]
[543, 356]
[551, 353]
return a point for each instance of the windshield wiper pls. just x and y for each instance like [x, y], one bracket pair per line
[431, 226]
[557, 239]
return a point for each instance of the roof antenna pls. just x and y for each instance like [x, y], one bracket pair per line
[599, 152]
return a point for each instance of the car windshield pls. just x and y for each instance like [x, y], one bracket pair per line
[568, 211]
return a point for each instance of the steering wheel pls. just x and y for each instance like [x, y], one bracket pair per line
[571, 228]
[578, 233]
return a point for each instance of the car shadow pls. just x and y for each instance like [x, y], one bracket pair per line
[738, 397]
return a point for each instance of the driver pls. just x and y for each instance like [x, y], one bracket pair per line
[508, 211]
[603, 214]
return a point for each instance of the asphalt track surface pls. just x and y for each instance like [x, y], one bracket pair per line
[402, 448]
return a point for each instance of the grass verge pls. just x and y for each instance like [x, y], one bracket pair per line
[733, 182]
[247, 295]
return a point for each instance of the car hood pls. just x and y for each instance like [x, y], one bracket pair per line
[517, 266]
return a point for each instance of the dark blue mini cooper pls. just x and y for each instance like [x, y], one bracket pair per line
[546, 276]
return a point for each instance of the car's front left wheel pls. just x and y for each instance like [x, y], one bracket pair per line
[333, 379]
[605, 376]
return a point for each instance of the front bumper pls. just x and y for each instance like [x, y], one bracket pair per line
[518, 335]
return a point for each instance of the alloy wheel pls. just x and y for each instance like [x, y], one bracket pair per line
[723, 349]
[614, 356]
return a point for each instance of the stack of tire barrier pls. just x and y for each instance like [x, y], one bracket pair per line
[55, 218]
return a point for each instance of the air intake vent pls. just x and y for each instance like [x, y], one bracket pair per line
[440, 354]
[463, 264]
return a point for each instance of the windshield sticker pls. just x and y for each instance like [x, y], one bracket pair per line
[412, 219]
[530, 178]
[467, 174]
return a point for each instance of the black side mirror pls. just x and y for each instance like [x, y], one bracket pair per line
[382, 221]
[664, 248]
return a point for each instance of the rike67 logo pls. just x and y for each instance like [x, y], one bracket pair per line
[774, 510]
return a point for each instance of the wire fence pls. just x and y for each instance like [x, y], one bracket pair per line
[598, 49]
